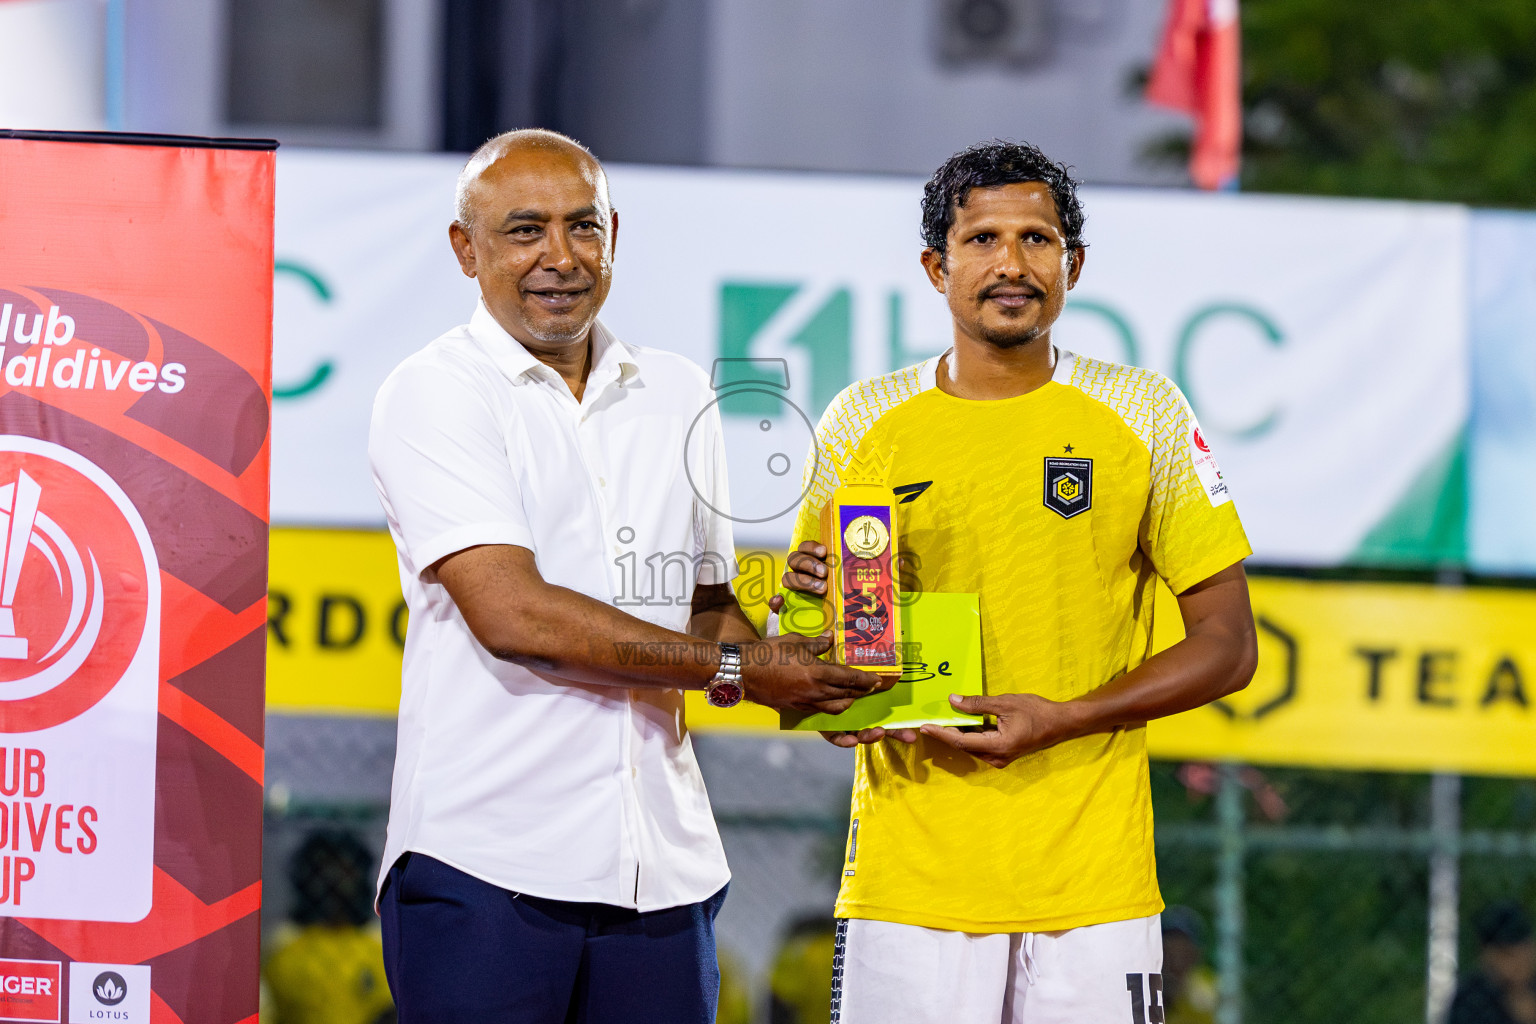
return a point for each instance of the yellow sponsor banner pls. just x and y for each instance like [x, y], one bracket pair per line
[335, 623]
[1394, 676]
[1404, 677]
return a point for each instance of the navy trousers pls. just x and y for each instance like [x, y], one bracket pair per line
[458, 950]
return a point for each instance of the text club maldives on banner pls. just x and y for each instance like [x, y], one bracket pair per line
[135, 395]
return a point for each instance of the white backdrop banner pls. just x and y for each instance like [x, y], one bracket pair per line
[1322, 342]
[51, 61]
[1502, 452]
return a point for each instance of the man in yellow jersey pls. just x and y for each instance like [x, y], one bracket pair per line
[1007, 874]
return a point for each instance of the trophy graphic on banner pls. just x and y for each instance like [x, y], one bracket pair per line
[17, 518]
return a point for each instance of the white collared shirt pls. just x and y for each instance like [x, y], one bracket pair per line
[571, 792]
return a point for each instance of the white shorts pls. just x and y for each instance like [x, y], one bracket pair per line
[886, 973]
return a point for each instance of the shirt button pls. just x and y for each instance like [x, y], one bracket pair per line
[602, 482]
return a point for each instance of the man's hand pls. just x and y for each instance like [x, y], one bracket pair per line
[785, 672]
[1026, 723]
[1216, 658]
[806, 572]
[875, 735]
[806, 568]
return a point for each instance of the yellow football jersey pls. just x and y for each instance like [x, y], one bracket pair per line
[1060, 508]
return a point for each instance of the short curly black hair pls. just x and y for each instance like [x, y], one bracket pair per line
[987, 165]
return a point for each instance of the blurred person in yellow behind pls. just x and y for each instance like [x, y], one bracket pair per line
[735, 1006]
[328, 967]
[800, 987]
[1189, 984]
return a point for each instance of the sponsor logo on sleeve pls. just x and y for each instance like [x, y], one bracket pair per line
[1205, 466]
[30, 990]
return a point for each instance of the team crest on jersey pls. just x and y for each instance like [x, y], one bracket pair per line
[1068, 486]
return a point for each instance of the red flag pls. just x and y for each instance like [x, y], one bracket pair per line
[1198, 71]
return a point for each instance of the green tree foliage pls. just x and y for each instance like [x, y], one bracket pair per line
[1413, 99]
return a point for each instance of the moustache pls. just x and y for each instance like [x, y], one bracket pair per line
[577, 281]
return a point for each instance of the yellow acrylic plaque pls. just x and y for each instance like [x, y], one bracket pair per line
[941, 656]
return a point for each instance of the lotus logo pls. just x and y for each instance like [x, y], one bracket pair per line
[109, 988]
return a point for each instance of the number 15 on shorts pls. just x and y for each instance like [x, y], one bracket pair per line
[1146, 998]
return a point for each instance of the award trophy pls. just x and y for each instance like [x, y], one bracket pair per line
[929, 648]
[858, 523]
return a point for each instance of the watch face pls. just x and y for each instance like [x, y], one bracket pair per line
[723, 695]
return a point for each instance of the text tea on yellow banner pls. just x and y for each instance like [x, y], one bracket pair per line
[1402, 677]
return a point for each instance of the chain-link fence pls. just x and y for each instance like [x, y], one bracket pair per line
[1296, 895]
[327, 803]
[1342, 895]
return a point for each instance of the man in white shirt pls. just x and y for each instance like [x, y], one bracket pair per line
[551, 853]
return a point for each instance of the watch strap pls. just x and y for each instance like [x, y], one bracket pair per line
[725, 689]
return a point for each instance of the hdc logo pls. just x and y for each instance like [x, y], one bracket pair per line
[818, 324]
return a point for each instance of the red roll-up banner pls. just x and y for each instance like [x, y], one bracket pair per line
[135, 398]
